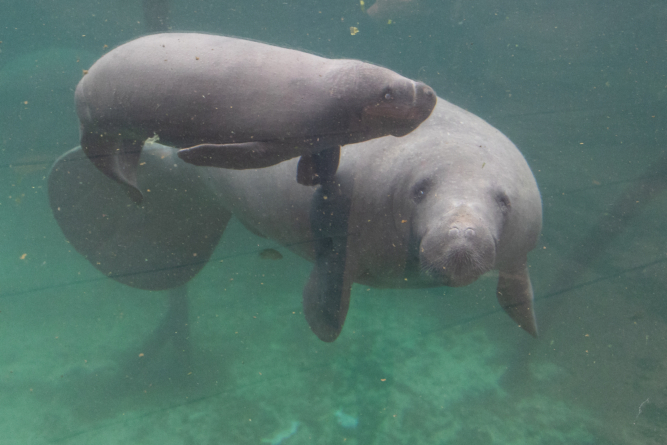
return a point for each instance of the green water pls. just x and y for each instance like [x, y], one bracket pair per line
[579, 87]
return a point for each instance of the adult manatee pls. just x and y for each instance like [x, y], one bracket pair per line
[440, 207]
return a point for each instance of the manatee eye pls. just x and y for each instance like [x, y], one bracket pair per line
[503, 202]
[387, 94]
[420, 190]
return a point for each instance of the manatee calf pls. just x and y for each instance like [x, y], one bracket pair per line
[237, 104]
[439, 207]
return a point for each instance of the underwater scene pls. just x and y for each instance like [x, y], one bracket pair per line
[248, 240]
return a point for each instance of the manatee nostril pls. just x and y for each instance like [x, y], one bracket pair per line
[470, 232]
[454, 232]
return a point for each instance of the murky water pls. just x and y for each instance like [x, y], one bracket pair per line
[579, 87]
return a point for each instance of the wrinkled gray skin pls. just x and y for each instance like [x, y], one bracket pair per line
[438, 207]
[237, 104]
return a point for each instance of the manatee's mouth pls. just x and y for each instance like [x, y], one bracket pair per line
[457, 262]
[396, 120]
[393, 111]
[459, 267]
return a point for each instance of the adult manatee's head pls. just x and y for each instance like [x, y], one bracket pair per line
[465, 201]
[458, 234]
[459, 210]
[384, 102]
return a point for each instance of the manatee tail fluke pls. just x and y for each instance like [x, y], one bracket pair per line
[157, 245]
[117, 158]
[515, 295]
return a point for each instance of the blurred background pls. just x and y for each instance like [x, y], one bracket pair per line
[579, 87]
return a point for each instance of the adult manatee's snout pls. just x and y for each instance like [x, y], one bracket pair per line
[459, 251]
[405, 107]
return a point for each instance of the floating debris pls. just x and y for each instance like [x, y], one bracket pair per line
[153, 139]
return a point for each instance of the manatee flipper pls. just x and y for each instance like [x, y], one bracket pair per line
[515, 295]
[317, 168]
[115, 157]
[239, 156]
[159, 244]
[326, 296]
